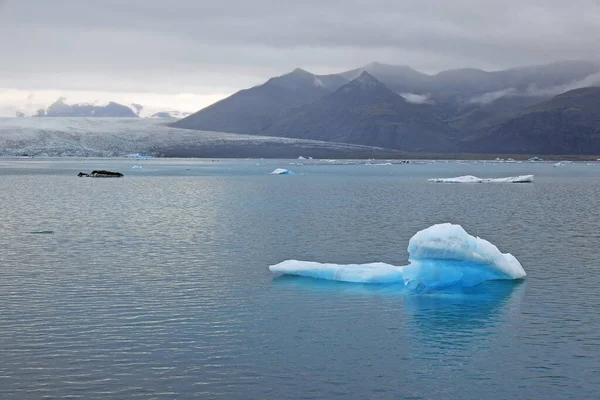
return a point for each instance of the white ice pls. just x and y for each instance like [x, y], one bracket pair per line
[474, 179]
[281, 171]
[443, 255]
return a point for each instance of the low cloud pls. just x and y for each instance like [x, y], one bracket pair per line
[535, 91]
[415, 98]
[491, 97]
[591, 80]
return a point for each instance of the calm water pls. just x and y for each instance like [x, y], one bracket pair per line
[156, 286]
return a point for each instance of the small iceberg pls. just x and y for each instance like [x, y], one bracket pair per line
[474, 179]
[137, 167]
[281, 171]
[441, 256]
[535, 159]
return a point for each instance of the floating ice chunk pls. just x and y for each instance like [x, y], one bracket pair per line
[474, 179]
[459, 179]
[301, 158]
[443, 255]
[281, 171]
[137, 166]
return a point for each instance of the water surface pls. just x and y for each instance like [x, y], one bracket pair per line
[156, 286]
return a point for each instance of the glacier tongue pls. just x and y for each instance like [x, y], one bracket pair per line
[441, 256]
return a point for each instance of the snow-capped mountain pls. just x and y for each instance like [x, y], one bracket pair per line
[60, 108]
[156, 112]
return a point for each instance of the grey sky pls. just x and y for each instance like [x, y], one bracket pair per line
[219, 46]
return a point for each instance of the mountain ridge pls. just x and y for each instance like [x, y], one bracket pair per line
[463, 104]
[366, 111]
[568, 123]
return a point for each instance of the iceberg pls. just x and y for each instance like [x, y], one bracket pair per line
[281, 171]
[441, 256]
[474, 179]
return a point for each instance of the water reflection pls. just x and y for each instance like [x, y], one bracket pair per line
[441, 320]
[453, 319]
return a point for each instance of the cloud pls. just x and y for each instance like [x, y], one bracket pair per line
[214, 47]
[535, 91]
[591, 80]
[416, 98]
[14, 100]
[490, 97]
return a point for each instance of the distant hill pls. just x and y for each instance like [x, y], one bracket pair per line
[567, 124]
[255, 109]
[366, 112]
[62, 109]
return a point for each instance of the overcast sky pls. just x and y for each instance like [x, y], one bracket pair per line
[188, 53]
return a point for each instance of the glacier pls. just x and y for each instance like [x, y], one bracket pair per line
[142, 138]
[441, 256]
[474, 179]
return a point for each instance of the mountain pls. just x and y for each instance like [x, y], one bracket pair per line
[394, 106]
[468, 82]
[567, 124]
[399, 78]
[62, 109]
[255, 109]
[473, 118]
[366, 112]
[154, 112]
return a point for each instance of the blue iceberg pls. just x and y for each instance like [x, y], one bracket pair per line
[281, 171]
[441, 256]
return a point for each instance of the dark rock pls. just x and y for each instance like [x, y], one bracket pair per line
[101, 174]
